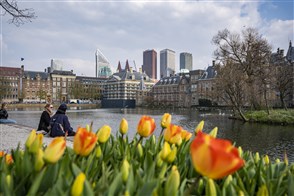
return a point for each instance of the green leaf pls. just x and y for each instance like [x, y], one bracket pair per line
[116, 185]
[35, 186]
[148, 188]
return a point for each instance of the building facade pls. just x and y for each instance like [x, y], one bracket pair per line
[172, 91]
[103, 68]
[195, 75]
[37, 87]
[10, 84]
[186, 61]
[121, 89]
[167, 63]
[150, 63]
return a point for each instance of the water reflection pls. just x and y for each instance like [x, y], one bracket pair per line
[266, 139]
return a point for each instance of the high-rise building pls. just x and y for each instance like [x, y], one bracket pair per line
[150, 63]
[103, 69]
[167, 63]
[186, 61]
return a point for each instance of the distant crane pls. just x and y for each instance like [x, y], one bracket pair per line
[135, 65]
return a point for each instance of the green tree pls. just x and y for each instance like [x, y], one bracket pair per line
[42, 94]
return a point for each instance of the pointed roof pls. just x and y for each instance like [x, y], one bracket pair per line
[127, 66]
[290, 53]
[119, 67]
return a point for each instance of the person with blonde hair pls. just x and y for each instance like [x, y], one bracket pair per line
[4, 115]
[44, 123]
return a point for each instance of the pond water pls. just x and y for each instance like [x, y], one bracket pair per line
[273, 140]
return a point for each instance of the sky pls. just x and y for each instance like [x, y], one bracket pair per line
[72, 31]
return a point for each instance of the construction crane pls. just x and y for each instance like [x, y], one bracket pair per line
[135, 65]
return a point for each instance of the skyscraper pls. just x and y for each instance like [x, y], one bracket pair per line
[150, 63]
[186, 61]
[103, 69]
[167, 62]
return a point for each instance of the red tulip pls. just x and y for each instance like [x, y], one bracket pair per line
[214, 158]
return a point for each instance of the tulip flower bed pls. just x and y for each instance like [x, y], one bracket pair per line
[178, 162]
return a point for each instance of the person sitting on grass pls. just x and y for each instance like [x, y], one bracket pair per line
[59, 123]
[44, 123]
[4, 115]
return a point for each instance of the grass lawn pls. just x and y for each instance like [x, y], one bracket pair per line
[278, 116]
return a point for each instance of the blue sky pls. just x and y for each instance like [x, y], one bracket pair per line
[71, 31]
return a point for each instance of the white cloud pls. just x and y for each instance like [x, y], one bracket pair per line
[123, 30]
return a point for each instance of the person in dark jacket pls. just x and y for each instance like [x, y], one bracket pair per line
[44, 123]
[60, 125]
[4, 115]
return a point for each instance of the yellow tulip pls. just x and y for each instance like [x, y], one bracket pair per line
[214, 158]
[199, 126]
[31, 138]
[37, 144]
[186, 135]
[98, 152]
[173, 134]
[78, 185]
[146, 126]
[165, 120]
[123, 127]
[55, 150]
[167, 153]
[84, 141]
[39, 162]
[213, 132]
[104, 133]
[266, 159]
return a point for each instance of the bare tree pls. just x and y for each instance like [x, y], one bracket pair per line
[247, 52]
[19, 16]
[231, 87]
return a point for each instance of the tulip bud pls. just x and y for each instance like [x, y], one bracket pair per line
[165, 151]
[210, 187]
[199, 126]
[89, 128]
[159, 161]
[241, 193]
[37, 144]
[172, 155]
[8, 181]
[125, 170]
[240, 150]
[153, 139]
[98, 152]
[262, 191]
[286, 158]
[266, 160]
[78, 185]
[31, 138]
[140, 149]
[155, 192]
[256, 157]
[228, 181]
[213, 133]
[123, 127]
[55, 150]
[127, 193]
[104, 133]
[165, 120]
[200, 187]
[278, 160]
[39, 162]
[173, 182]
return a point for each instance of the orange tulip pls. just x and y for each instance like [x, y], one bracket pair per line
[173, 134]
[186, 135]
[54, 150]
[2, 153]
[84, 141]
[165, 120]
[214, 158]
[146, 126]
[8, 159]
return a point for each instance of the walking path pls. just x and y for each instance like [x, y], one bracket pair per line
[12, 134]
